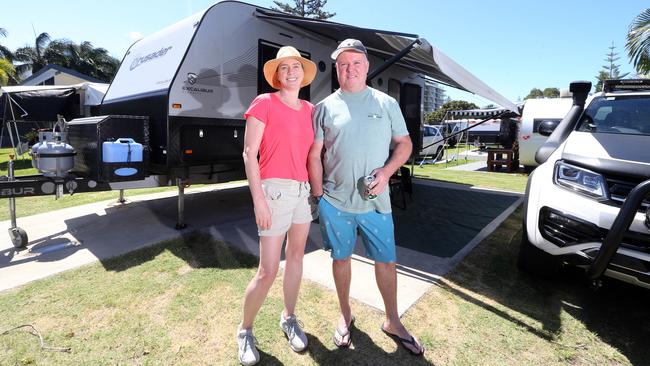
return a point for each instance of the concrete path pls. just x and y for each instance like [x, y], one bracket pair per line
[68, 238]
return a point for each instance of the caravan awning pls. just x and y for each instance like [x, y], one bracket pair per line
[424, 59]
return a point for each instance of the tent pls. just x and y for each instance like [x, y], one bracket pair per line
[24, 108]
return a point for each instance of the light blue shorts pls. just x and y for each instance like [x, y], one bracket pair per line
[339, 231]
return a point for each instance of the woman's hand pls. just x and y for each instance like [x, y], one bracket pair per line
[262, 215]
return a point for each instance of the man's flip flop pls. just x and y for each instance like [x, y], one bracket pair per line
[342, 335]
[404, 342]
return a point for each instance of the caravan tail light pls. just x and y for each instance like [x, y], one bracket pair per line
[188, 152]
[176, 106]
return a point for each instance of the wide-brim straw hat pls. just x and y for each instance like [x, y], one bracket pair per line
[286, 52]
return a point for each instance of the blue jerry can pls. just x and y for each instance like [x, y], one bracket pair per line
[122, 150]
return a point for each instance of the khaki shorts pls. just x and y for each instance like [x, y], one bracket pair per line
[288, 202]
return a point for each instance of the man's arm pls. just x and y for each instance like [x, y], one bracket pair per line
[315, 168]
[401, 153]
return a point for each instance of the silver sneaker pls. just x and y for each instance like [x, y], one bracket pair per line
[291, 327]
[248, 354]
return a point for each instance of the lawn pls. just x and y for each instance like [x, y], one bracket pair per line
[179, 303]
[515, 182]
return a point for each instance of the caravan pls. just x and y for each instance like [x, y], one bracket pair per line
[181, 94]
[547, 113]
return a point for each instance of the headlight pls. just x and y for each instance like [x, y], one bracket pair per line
[581, 180]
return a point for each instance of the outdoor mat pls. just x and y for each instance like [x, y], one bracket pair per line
[441, 221]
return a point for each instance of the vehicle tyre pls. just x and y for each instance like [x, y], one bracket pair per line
[452, 142]
[439, 153]
[18, 237]
[534, 260]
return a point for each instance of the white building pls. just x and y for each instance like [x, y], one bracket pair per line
[52, 74]
[434, 96]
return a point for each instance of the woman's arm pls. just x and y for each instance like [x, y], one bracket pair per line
[252, 140]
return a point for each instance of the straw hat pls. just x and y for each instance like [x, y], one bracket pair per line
[284, 53]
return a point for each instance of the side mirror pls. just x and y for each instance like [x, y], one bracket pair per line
[547, 127]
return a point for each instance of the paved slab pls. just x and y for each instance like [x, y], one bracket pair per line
[480, 166]
[72, 237]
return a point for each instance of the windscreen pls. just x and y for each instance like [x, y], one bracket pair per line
[618, 115]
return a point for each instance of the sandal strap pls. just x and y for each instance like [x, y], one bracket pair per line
[341, 334]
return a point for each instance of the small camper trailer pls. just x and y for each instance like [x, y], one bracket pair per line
[547, 112]
[192, 81]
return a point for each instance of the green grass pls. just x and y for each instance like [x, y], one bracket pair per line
[515, 182]
[22, 164]
[179, 303]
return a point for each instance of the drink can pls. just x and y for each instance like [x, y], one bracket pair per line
[366, 182]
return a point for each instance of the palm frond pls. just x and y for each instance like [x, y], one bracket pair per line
[638, 42]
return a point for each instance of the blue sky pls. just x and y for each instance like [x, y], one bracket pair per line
[512, 46]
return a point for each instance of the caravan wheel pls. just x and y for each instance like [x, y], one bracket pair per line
[18, 237]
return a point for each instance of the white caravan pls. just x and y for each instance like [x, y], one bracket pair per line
[196, 78]
[548, 113]
[182, 93]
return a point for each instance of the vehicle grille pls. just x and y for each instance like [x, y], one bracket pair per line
[619, 188]
[564, 230]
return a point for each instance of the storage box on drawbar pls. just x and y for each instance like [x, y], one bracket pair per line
[110, 148]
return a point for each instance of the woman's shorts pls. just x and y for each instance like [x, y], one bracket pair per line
[288, 202]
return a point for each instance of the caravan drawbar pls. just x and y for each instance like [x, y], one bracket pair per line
[189, 84]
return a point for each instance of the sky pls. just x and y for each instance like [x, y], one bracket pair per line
[512, 46]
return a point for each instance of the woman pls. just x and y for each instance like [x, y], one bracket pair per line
[279, 128]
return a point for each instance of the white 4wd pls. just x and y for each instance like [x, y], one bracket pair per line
[587, 203]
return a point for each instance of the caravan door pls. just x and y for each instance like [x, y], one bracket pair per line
[409, 97]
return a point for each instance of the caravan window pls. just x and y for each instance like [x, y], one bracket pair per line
[268, 51]
[538, 121]
[394, 89]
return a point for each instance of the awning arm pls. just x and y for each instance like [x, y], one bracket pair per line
[388, 63]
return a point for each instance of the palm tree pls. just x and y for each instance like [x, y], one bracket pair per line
[33, 57]
[85, 58]
[4, 51]
[7, 72]
[58, 52]
[95, 62]
[638, 42]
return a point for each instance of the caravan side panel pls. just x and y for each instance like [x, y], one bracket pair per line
[141, 85]
[151, 63]
[220, 76]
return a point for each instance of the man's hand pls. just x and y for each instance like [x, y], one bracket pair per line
[378, 186]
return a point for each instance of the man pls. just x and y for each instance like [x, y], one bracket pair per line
[356, 125]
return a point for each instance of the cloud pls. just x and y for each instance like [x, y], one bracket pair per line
[135, 36]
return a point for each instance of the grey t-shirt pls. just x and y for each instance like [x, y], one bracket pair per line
[356, 130]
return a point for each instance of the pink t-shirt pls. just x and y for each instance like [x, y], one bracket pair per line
[288, 136]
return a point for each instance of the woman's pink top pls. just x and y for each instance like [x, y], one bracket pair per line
[288, 136]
